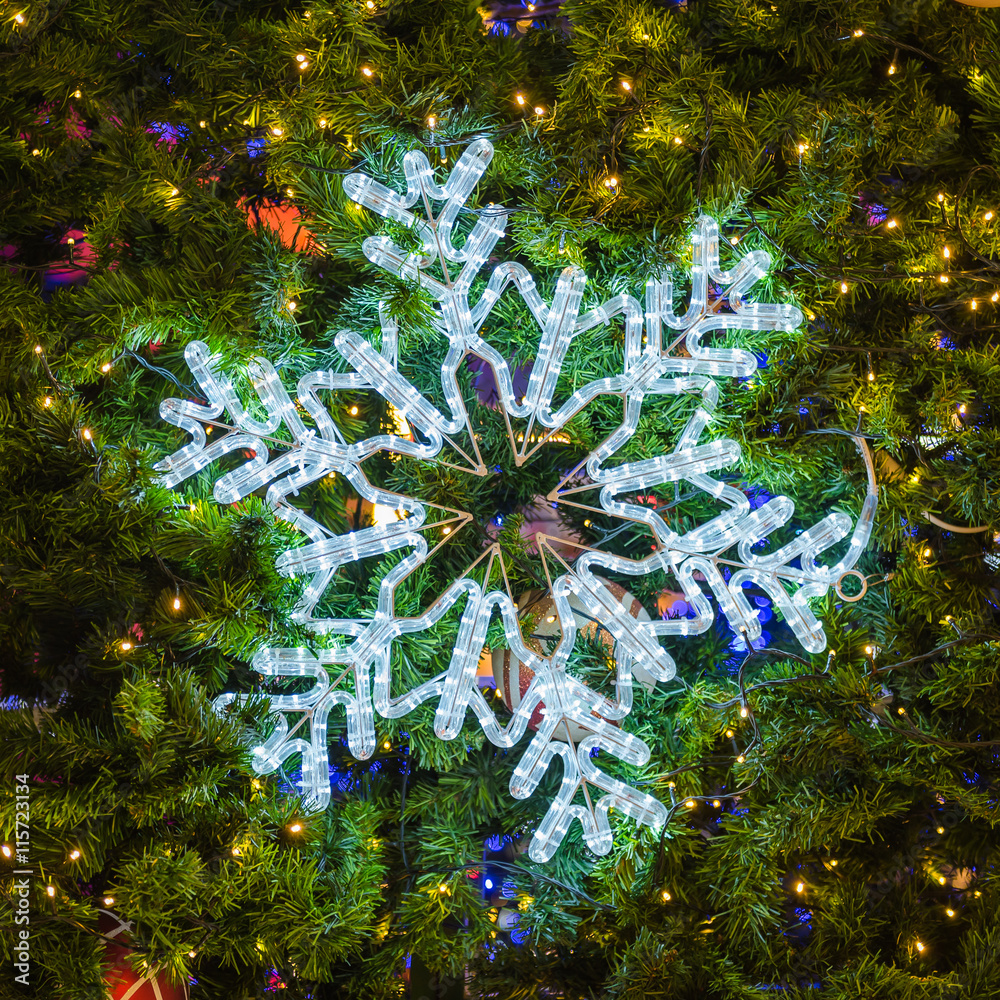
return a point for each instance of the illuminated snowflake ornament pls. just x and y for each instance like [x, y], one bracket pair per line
[360, 650]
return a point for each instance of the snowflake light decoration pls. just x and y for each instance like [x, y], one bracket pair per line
[651, 366]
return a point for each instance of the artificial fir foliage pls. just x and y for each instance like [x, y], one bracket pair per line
[177, 176]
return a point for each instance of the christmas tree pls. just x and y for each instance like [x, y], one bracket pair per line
[436, 322]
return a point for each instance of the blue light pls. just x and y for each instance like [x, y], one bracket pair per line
[489, 883]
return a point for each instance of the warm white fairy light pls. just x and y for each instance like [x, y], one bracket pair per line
[792, 575]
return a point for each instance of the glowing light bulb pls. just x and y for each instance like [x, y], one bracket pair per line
[109, 900]
[446, 530]
[236, 852]
[551, 619]
[6, 851]
[126, 645]
[367, 71]
[716, 803]
[86, 434]
[871, 376]
[77, 93]
[520, 99]
[740, 759]
[177, 604]
[941, 879]
[744, 711]
[995, 296]
[192, 954]
[950, 912]
[901, 711]
[802, 147]
[733, 240]
[944, 279]
[47, 401]
[431, 120]
[74, 855]
[36, 152]
[940, 196]
[322, 123]
[300, 58]
[946, 253]
[626, 86]
[940, 830]
[800, 887]
[844, 287]
[892, 69]
[690, 803]
[106, 367]
[442, 888]
[987, 217]
[38, 348]
[51, 890]
[303, 66]
[729, 734]
[833, 862]
[19, 17]
[295, 828]
[277, 130]
[891, 224]
[387, 745]
[858, 32]
[920, 946]
[927, 553]
[202, 124]
[291, 305]
[353, 411]
[973, 305]
[677, 140]
[665, 896]
[539, 110]
[611, 182]
[174, 192]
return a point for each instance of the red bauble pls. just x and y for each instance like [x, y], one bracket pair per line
[120, 982]
[514, 677]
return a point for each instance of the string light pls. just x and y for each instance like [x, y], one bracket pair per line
[946, 253]
[920, 946]
[677, 140]
[520, 99]
[729, 734]
[74, 855]
[800, 887]
[744, 712]
[665, 896]
[202, 124]
[300, 58]
[802, 147]
[192, 954]
[833, 862]
[47, 401]
[446, 530]
[77, 93]
[940, 196]
[174, 192]
[277, 130]
[844, 288]
[626, 86]
[891, 224]
[295, 828]
[892, 69]
[303, 66]
[353, 411]
[987, 217]
[944, 279]
[442, 888]
[87, 436]
[36, 152]
[106, 367]
[950, 912]
[973, 305]
[940, 830]
[38, 348]
[858, 32]
[177, 604]
[387, 745]
[927, 553]
[431, 120]
[995, 296]
[126, 645]
[51, 890]
[740, 759]
[716, 803]
[611, 182]
[6, 851]
[367, 71]
[539, 110]
[19, 17]
[291, 305]
[236, 852]
[109, 900]
[690, 803]
[322, 123]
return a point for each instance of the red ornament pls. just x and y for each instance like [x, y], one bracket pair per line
[514, 677]
[120, 982]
